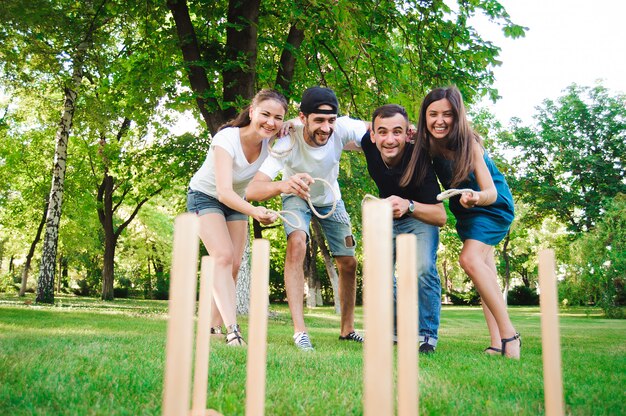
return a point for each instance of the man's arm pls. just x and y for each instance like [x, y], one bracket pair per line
[434, 214]
[262, 187]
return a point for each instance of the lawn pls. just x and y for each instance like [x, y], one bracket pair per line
[87, 357]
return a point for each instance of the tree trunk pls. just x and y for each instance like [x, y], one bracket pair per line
[2, 244]
[160, 283]
[108, 268]
[287, 66]
[525, 277]
[198, 80]
[241, 47]
[257, 229]
[31, 252]
[63, 273]
[312, 288]
[147, 291]
[45, 286]
[243, 282]
[105, 199]
[447, 283]
[330, 265]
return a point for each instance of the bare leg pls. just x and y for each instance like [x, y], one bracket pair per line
[216, 318]
[347, 291]
[239, 238]
[475, 260]
[294, 278]
[217, 237]
[492, 325]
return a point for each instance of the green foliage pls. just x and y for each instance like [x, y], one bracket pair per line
[135, 84]
[572, 164]
[369, 52]
[598, 263]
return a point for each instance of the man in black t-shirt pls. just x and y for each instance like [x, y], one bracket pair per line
[415, 208]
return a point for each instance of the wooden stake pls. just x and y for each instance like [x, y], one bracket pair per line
[377, 299]
[550, 337]
[181, 310]
[203, 336]
[407, 316]
[257, 329]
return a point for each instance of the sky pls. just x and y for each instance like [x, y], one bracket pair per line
[568, 41]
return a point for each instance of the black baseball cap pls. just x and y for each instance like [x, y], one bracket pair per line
[314, 97]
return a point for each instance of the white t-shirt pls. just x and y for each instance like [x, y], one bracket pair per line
[243, 171]
[319, 162]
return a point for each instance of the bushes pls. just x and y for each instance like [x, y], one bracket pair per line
[470, 297]
[523, 295]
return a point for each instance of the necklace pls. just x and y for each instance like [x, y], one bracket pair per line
[385, 163]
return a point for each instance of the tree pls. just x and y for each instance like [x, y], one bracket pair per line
[24, 173]
[574, 161]
[384, 51]
[598, 269]
[69, 33]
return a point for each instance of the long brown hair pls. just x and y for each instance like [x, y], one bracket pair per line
[243, 118]
[460, 139]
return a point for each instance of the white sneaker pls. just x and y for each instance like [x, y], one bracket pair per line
[302, 341]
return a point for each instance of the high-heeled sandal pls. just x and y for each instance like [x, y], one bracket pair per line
[216, 332]
[490, 348]
[233, 337]
[513, 338]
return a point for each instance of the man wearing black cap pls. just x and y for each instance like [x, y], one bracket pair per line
[313, 151]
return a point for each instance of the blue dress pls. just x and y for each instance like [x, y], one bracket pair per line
[487, 224]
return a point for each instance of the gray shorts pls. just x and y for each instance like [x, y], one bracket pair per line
[201, 204]
[337, 228]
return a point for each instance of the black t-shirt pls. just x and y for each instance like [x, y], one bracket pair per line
[387, 180]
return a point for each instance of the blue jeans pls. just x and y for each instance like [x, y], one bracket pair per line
[429, 283]
[201, 204]
[337, 228]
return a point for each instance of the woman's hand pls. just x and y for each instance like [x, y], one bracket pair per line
[286, 128]
[264, 216]
[469, 199]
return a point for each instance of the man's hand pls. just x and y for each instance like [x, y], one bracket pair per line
[399, 206]
[298, 185]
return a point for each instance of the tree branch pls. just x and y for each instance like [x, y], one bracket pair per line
[134, 213]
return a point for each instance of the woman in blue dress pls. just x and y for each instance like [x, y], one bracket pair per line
[483, 216]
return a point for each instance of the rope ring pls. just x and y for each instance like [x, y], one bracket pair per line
[281, 214]
[285, 220]
[453, 192]
[368, 196]
[336, 197]
[282, 153]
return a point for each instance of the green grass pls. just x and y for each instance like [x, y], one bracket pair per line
[87, 357]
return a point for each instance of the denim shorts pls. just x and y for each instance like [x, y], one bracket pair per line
[201, 204]
[337, 228]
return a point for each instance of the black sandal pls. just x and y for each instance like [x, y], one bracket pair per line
[490, 348]
[216, 332]
[234, 338]
[507, 340]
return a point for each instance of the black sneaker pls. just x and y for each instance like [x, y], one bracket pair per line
[426, 348]
[352, 336]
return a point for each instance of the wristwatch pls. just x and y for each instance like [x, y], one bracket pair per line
[411, 207]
